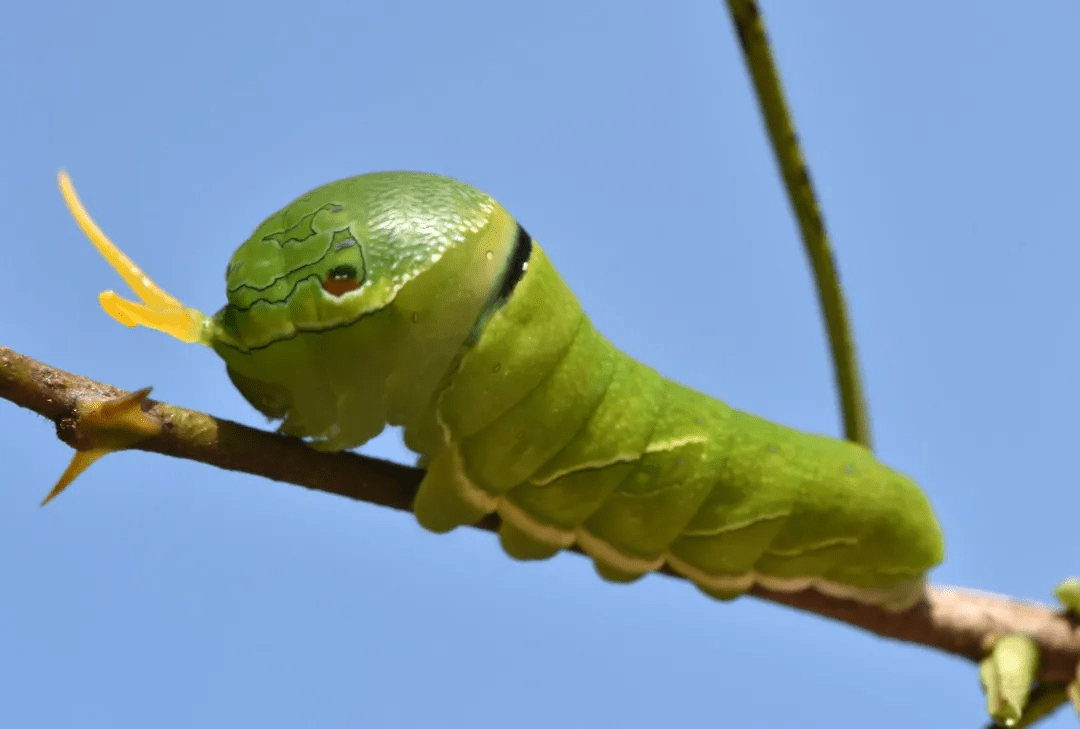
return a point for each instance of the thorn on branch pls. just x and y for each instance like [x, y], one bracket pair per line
[100, 427]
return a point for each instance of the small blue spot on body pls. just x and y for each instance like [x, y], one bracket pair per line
[345, 244]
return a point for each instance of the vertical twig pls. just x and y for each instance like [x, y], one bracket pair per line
[755, 47]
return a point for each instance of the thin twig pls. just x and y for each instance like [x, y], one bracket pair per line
[750, 29]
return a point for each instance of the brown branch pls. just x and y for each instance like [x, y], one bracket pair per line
[954, 620]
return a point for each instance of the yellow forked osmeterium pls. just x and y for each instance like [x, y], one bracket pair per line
[158, 310]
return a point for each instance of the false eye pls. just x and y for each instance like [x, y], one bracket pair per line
[341, 280]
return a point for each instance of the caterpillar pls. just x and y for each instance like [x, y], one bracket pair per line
[416, 300]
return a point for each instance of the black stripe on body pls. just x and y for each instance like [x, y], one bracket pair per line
[516, 266]
[515, 269]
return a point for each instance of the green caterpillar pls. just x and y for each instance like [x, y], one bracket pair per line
[416, 300]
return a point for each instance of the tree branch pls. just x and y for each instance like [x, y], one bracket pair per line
[958, 621]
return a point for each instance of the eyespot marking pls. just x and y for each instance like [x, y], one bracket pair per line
[341, 279]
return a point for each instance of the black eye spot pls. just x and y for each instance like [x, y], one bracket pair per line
[341, 279]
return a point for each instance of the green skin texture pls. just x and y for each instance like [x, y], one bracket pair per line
[517, 405]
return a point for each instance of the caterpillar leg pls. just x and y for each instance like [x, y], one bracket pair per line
[447, 499]
[520, 544]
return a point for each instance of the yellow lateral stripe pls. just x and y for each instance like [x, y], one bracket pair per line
[894, 598]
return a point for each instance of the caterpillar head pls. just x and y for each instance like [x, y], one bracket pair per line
[346, 308]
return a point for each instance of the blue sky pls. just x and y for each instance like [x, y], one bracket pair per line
[157, 592]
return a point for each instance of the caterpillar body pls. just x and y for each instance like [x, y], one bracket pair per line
[416, 300]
